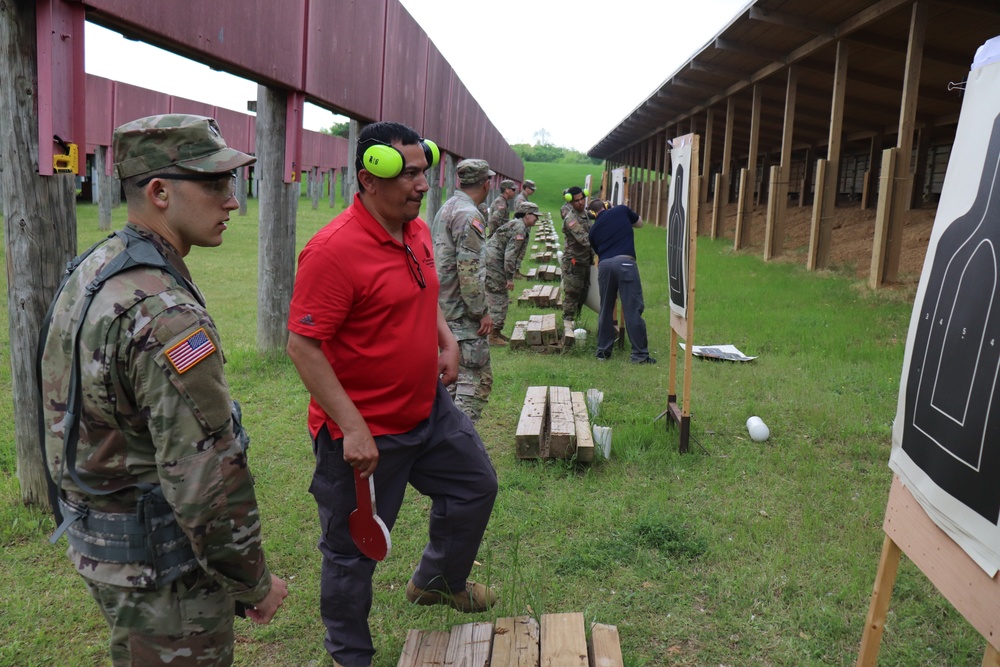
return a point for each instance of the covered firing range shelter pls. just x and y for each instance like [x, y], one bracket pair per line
[822, 104]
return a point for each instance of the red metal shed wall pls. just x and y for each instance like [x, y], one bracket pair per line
[344, 55]
[132, 102]
[259, 37]
[235, 128]
[436, 101]
[100, 99]
[404, 79]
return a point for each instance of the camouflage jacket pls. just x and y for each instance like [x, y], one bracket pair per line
[564, 210]
[576, 232]
[517, 200]
[499, 214]
[459, 234]
[155, 409]
[505, 249]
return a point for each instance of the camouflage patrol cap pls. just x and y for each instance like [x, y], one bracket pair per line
[505, 184]
[529, 184]
[189, 142]
[473, 171]
[526, 207]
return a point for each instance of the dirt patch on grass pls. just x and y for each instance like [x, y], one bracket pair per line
[853, 237]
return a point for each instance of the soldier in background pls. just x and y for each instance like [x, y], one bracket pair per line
[527, 189]
[140, 362]
[500, 208]
[459, 235]
[504, 252]
[565, 208]
[577, 255]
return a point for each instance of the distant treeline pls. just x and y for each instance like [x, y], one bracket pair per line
[527, 152]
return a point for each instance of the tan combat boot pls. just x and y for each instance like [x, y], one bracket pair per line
[497, 338]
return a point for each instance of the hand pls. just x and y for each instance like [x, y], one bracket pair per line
[485, 325]
[263, 611]
[510, 285]
[360, 450]
[448, 363]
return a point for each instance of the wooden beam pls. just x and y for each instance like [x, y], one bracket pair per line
[727, 148]
[804, 23]
[749, 49]
[706, 169]
[904, 137]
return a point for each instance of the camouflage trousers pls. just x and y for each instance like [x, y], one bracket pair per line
[497, 299]
[188, 622]
[575, 285]
[475, 377]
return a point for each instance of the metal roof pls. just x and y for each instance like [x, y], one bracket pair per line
[759, 44]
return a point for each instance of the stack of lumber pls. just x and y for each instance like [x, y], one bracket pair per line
[560, 640]
[541, 296]
[547, 334]
[554, 424]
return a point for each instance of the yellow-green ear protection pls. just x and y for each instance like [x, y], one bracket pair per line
[568, 197]
[385, 161]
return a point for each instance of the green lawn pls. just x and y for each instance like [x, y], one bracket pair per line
[739, 553]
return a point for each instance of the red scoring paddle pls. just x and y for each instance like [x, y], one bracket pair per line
[367, 529]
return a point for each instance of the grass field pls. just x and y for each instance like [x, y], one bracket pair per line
[739, 553]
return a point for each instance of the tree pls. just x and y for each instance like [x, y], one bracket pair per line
[338, 129]
[541, 137]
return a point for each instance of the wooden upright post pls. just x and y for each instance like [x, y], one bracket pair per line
[105, 183]
[706, 163]
[278, 202]
[727, 148]
[39, 232]
[353, 129]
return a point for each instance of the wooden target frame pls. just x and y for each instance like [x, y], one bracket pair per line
[682, 328]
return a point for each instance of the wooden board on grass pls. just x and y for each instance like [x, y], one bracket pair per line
[518, 337]
[515, 642]
[584, 436]
[563, 640]
[531, 426]
[534, 331]
[469, 645]
[562, 424]
[424, 647]
[605, 646]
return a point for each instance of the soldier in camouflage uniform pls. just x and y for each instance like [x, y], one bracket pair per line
[156, 426]
[577, 255]
[459, 234]
[527, 189]
[500, 208]
[503, 255]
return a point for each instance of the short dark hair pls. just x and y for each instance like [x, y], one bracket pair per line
[597, 206]
[574, 191]
[382, 132]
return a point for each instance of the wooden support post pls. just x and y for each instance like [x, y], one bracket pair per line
[904, 141]
[353, 129]
[241, 189]
[878, 609]
[450, 176]
[706, 162]
[316, 183]
[39, 231]
[820, 228]
[717, 221]
[774, 230]
[886, 186]
[278, 203]
[105, 185]
[434, 191]
[727, 148]
[741, 206]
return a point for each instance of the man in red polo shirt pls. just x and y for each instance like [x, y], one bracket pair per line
[375, 352]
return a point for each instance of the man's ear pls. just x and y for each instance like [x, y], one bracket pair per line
[367, 179]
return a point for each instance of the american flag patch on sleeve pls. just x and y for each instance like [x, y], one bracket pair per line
[187, 353]
[477, 224]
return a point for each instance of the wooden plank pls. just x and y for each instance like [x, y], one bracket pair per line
[563, 640]
[410, 649]
[605, 646]
[515, 642]
[469, 645]
[534, 331]
[974, 595]
[518, 337]
[550, 335]
[569, 334]
[525, 298]
[531, 426]
[545, 296]
[425, 649]
[562, 425]
[584, 436]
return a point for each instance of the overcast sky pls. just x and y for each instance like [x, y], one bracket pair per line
[570, 68]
